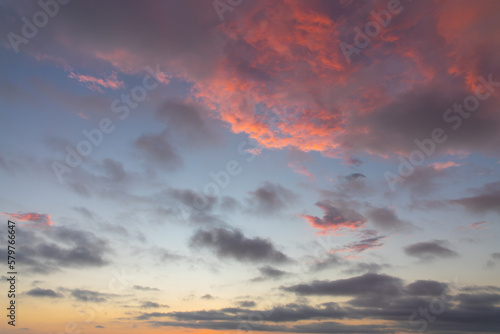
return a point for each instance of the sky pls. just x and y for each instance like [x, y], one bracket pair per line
[237, 166]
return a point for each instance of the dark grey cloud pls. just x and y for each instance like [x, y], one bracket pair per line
[480, 288]
[366, 284]
[426, 288]
[49, 249]
[191, 198]
[147, 316]
[150, 304]
[483, 300]
[247, 304]
[157, 149]
[387, 220]
[191, 207]
[379, 297]
[110, 180]
[227, 243]
[85, 249]
[268, 272]
[485, 199]
[270, 198]
[290, 312]
[144, 288]
[207, 296]
[430, 250]
[413, 115]
[91, 296]
[218, 325]
[188, 36]
[271, 272]
[39, 292]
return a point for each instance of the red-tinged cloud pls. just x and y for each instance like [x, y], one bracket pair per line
[354, 248]
[444, 165]
[337, 217]
[478, 226]
[94, 83]
[275, 71]
[301, 169]
[37, 218]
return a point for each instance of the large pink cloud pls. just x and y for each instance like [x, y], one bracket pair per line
[275, 71]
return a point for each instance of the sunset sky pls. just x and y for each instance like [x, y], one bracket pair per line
[201, 166]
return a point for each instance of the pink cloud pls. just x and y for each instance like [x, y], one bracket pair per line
[444, 165]
[370, 239]
[94, 83]
[37, 218]
[301, 169]
[479, 225]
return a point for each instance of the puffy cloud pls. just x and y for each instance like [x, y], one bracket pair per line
[269, 272]
[387, 220]
[486, 198]
[48, 250]
[207, 296]
[39, 292]
[233, 244]
[247, 304]
[270, 198]
[430, 250]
